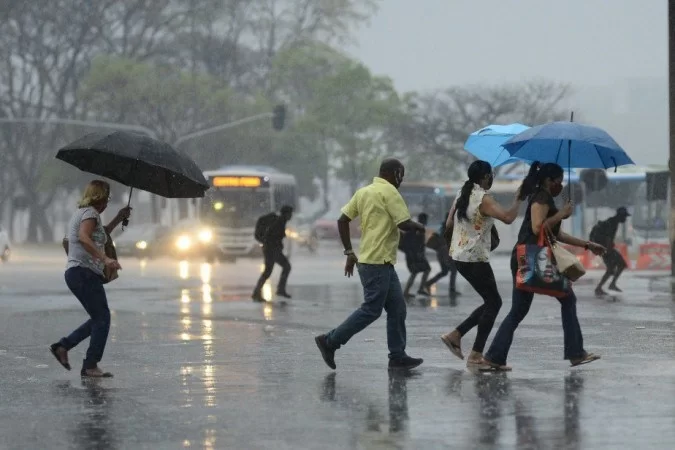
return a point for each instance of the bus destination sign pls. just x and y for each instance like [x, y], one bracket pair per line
[237, 181]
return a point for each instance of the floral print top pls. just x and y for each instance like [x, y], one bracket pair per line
[471, 238]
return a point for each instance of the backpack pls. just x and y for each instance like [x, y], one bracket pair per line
[262, 225]
[598, 232]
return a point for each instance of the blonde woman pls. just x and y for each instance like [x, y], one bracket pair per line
[85, 276]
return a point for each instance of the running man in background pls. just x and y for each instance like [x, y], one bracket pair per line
[604, 233]
[445, 261]
[414, 247]
[271, 231]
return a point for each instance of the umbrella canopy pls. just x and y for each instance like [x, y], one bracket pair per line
[568, 144]
[138, 161]
[486, 143]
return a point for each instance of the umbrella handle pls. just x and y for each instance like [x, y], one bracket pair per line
[125, 222]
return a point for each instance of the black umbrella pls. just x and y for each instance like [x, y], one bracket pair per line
[138, 161]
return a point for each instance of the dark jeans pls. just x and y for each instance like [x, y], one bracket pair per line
[88, 288]
[447, 265]
[381, 290]
[522, 300]
[482, 279]
[615, 266]
[274, 255]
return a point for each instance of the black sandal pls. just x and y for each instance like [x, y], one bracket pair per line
[52, 348]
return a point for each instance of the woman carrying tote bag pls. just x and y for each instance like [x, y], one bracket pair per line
[542, 184]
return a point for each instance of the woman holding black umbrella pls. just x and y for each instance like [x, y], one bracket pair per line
[86, 272]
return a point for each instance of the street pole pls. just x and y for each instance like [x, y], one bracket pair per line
[671, 122]
[225, 126]
[85, 123]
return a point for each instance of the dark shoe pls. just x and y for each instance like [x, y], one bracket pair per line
[95, 373]
[455, 293]
[424, 291]
[61, 354]
[405, 362]
[587, 358]
[284, 294]
[614, 287]
[327, 353]
[257, 297]
[599, 292]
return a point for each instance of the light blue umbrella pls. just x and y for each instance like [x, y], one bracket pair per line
[568, 144]
[486, 143]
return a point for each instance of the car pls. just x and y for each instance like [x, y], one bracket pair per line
[5, 247]
[142, 241]
[326, 226]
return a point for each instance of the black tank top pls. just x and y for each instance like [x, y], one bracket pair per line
[526, 235]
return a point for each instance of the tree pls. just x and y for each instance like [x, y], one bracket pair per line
[437, 124]
[238, 40]
[352, 109]
[45, 48]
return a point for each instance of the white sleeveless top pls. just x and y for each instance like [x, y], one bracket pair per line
[471, 238]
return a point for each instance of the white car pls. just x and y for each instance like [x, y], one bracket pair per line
[5, 248]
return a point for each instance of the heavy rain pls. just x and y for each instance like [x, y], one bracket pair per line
[318, 224]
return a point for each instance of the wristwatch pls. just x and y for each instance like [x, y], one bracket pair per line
[348, 252]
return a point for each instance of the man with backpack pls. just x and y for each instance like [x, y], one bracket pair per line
[604, 233]
[443, 255]
[413, 244]
[270, 231]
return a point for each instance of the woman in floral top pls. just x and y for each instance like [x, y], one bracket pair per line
[472, 217]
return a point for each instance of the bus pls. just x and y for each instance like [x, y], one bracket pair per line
[238, 196]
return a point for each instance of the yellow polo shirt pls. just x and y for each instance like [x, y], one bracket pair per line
[381, 209]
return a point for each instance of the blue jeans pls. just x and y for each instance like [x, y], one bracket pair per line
[88, 288]
[381, 290]
[522, 300]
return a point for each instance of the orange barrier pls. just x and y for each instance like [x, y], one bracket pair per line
[654, 257]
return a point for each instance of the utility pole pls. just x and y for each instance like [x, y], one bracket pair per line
[671, 122]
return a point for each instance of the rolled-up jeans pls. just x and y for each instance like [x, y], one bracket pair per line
[381, 290]
[87, 286]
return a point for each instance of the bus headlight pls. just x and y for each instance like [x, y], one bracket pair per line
[205, 236]
[141, 245]
[183, 242]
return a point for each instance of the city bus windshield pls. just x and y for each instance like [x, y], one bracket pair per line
[235, 208]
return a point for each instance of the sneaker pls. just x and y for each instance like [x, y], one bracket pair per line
[614, 287]
[257, 297]
[599, 292]
[405, 362]
[327, 353]
[284, 294]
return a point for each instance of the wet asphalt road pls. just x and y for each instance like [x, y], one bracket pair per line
[197, 365]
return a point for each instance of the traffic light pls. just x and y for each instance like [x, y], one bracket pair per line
[279, 117]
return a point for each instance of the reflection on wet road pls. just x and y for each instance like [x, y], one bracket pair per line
[198, 365]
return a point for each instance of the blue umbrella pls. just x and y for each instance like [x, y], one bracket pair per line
[486, 143]
[568, 144]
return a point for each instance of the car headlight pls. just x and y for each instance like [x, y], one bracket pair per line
[141, 245]
[183, 242]
[205, 236]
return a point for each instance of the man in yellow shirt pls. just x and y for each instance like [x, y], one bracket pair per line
[383, 212]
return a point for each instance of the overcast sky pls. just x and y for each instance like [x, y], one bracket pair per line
[427, 44]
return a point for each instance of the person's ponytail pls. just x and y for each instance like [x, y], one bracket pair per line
[529, 185]
[463, 200]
